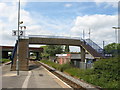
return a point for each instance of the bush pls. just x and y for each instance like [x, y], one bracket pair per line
[65, 66]
[52, 64]
[104, 73]
[56, 65]
[74, 72]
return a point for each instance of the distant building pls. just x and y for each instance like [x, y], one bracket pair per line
[65, 58]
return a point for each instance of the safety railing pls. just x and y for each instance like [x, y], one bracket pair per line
[94, 46]
[50, 36]
[14, 50]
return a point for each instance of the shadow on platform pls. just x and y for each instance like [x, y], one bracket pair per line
[31, 67]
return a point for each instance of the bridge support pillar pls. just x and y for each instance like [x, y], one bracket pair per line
[37, 55]
[23, 56]
[82, 54]
[67, 49]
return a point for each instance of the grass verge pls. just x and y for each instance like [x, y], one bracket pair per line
[4, 60]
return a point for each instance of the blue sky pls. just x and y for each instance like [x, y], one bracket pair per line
[58, 9]
[61, 18]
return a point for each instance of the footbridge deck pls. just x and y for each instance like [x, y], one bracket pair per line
[59, 40]
[54, 40]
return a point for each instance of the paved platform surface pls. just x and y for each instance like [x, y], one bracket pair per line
[36, 77]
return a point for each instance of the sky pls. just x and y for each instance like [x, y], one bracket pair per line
[60, 18]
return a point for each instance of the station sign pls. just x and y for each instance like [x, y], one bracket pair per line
[61, 54]
[15, 33]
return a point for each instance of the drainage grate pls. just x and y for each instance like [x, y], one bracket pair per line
[40, 74]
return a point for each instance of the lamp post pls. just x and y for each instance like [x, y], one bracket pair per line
[116, 33]
[116, 36]
[103, 48]
[89, 33]
[17, 62]
[83, 34]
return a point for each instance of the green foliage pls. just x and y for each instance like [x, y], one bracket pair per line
[65, 66]
[104, 73]
[52, 64]
[4, 60]
[51, 50]
[56, 65]
[113, 48]
[76, 72]
[107, 68]
[67, 50]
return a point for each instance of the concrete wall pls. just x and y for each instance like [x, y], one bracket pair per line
[82, 54]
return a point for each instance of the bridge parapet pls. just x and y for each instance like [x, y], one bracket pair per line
[59, 37]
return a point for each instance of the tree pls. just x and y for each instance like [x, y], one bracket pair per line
[113, 49]
[44, 53]
[67, 49]
[51, 50]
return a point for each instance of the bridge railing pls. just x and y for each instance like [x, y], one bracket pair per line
[14, 51]
[24, 37]
[50, 36]
[94, 46]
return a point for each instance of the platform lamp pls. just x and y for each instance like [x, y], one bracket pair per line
[116, 33]
[17, 61]
[116, 28]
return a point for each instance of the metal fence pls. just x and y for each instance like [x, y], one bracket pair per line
[94, 45]
[83, 65]
[50, 36]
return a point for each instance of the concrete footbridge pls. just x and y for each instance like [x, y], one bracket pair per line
[93, 49]
[70, 41]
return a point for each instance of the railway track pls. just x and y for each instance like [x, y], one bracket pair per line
[66, 80]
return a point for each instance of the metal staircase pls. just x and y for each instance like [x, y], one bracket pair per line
[14, 51]
[94, 45]
[95, 50]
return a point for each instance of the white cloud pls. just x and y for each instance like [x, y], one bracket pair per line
[114, 4]
[8, 21]
[105, 0]
[61, 0]
[68, 5]
[100, 25]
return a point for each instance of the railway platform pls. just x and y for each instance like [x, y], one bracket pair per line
[36, 77]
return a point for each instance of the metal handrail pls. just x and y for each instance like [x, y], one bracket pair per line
[50, 36]
[94, 45]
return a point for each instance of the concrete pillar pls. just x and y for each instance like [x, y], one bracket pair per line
[67, 49]
[5, 54]
[37, 55]
[0, 52]
[23, 56]
[82, 54]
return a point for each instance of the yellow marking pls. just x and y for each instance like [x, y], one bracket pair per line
[10, 74]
